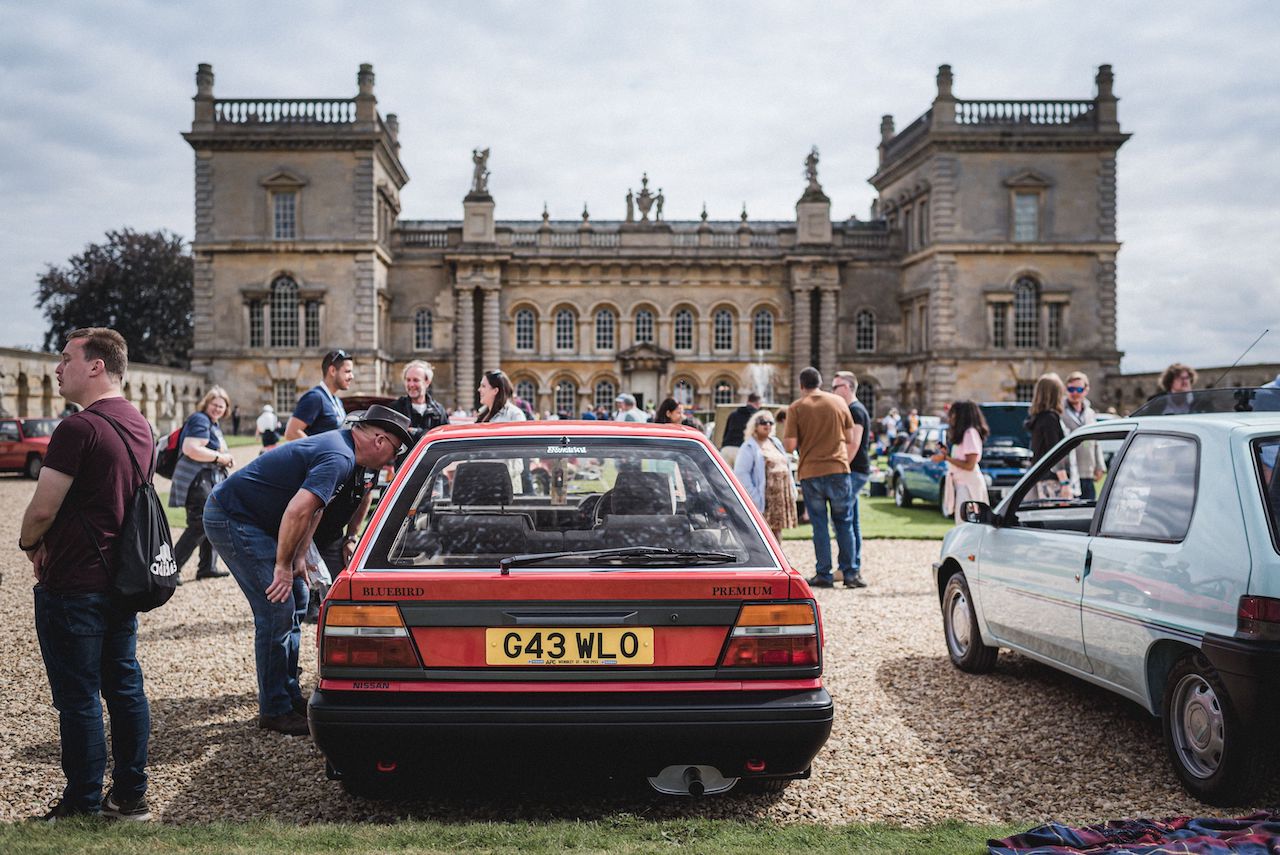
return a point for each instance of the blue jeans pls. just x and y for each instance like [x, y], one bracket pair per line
[818, 493]
[250, 555]
[90, 649]
[857, 480]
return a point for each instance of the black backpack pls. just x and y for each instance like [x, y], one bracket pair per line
[146, 573]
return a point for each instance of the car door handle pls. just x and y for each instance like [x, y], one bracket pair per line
[1088, 563]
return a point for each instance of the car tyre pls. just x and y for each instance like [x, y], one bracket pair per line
[1218, 759]
[34, 464]
[960, 627]
[901, 495]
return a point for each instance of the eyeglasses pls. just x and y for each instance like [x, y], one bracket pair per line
[1075, 388]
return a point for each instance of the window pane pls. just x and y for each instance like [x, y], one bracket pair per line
[1054, 333]
[683, 393]
[604, 330]
[286, 206]
[867, 395]
[684, 330]
[1026, 216]
[423, 329]
[723, 339]
[865, 332]
[763, 330]
[564, 330]
[566, 398]
[525, 390]
[1023, 390]
[605, 393]
[999, 318]
[255, 323]
[1154, 491]
[286, 395]
[1265, 451]
[524, 330]
[284, 312]
[725, 393]
[1026, 313]
[313, 324]
[644, 327]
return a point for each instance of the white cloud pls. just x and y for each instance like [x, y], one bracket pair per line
[717, 102]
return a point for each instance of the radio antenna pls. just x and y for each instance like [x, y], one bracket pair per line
[1238, 358]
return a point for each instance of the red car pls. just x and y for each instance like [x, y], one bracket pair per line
[23, 444]
[630, 614]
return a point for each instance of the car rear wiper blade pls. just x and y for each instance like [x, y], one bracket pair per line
[642, 552]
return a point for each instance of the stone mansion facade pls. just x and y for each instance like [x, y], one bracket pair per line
[990, 257]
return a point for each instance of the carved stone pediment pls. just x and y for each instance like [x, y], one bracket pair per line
[1029, 179]
[283, 179]
[645, 357]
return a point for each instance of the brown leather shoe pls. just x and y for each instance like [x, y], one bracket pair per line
[290, 723]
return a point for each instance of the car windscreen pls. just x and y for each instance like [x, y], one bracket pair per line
[39, 427]
[472, 502]
[1265, 453]
[1005, 421]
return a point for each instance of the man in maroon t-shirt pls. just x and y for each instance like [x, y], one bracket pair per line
[69, 533]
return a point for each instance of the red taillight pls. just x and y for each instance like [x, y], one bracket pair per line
[774, 635]
[366, 636]
[1258, 617]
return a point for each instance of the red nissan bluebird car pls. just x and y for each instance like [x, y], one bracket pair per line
[626, 611]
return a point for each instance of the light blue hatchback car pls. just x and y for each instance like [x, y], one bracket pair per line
[1166, 590]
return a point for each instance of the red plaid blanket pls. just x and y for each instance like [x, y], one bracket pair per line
[1257, 834]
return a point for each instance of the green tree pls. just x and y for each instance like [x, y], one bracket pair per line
[137, 283]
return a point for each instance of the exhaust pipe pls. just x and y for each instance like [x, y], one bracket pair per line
[693, 781]
[687, 779]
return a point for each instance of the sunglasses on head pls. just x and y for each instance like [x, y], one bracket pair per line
[1075, 388]
[335, 357]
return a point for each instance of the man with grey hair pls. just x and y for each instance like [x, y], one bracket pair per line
[627, 409]
[423, 412]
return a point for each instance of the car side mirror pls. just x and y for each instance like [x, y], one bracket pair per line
[977, 512]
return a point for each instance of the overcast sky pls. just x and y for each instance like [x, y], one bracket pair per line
[718, 102]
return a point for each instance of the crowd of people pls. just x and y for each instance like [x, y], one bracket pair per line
[285, 523]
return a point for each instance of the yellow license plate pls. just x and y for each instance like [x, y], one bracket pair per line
[579, 646]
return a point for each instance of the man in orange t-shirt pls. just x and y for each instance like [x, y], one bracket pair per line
[820, 427]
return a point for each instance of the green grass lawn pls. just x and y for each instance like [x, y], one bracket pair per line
[234, 441]
[621, 833]
[881, 518]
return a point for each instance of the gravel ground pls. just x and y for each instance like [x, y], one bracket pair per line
[915, 740]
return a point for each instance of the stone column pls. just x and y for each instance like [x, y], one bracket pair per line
[491, 348]
[464, 317]
[801, 343]
[827, 335]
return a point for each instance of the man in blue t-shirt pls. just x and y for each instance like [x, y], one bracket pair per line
[261, 520]
[320, 409]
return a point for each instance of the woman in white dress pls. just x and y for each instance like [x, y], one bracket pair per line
[967, 431]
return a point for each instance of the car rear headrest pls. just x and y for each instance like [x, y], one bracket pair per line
[482, 483]
[642, 493]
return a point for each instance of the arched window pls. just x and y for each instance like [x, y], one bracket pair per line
[565, 329]
[605, 393]
[284, 312]
[762, 326]
[864, 332]
[423, 329]
[605, 323]
[525, 390]
[683, 393]
[684, 330]
[566, 397]
[724, 392]
[524, 330]
[722, 324]
[644, 327]
[1026, 313]
[867, 395]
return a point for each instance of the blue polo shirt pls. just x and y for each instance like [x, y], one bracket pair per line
[319, 410]
[259, 493]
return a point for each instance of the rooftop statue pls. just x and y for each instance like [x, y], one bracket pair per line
[811, 169]
[480, 177]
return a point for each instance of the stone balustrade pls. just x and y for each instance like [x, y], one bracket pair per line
[291, 111]
[1024, 112]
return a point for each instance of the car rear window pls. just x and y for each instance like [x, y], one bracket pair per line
[469, 502]
[1265, 453]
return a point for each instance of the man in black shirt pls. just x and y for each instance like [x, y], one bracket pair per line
[736, 425]
[845, 384]
[423, 411]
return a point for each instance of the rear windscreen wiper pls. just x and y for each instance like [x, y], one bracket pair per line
[636, 552]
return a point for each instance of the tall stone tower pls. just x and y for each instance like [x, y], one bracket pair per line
[1007, 212]
[295, 203]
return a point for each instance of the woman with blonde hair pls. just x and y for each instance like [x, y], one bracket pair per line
[1045, 427]
[764, 468]
[203, 463]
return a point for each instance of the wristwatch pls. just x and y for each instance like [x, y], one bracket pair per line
[32, 548]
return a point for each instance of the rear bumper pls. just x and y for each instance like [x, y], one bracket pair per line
[619, 731]
[1251, 672]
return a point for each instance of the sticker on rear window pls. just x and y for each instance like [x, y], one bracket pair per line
[566, 449]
